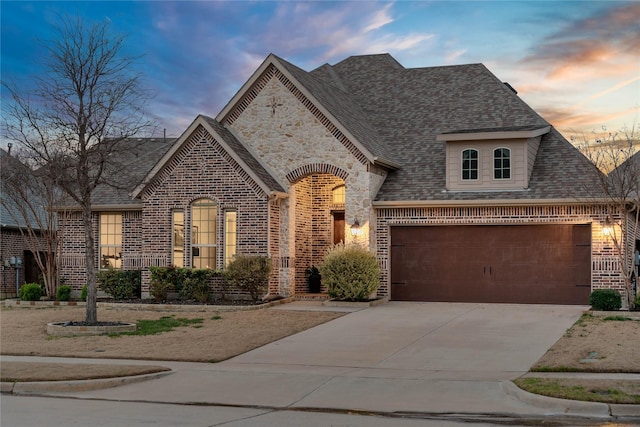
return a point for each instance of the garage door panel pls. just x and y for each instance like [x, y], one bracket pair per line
[483, 263]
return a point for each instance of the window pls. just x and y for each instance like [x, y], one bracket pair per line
[469, 164]
[230, 230]
[110, 240]
[502, 163]
[339, 195]
[204, 214]
[177, 251]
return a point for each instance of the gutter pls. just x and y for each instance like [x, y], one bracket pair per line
[483, 203]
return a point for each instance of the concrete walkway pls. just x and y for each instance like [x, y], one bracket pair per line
[435, 358]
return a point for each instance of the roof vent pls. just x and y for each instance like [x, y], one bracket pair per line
[510, 87]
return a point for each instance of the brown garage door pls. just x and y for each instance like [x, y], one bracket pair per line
[541, 264]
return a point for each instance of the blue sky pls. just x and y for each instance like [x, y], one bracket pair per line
[576, 62]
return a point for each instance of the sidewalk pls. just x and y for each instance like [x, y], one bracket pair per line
[326, 388]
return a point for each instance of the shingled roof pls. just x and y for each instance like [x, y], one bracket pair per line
[408, 108]
[140, 155]
[10, 213]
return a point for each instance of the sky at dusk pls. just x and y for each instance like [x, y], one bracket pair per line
[576, 62]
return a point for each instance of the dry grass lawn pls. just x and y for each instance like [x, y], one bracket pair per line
[219, 336]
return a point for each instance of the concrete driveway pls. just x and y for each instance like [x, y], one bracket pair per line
[448, 340]
[396, 358]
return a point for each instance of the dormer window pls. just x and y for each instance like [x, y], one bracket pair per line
[502, 163]
[470, 164]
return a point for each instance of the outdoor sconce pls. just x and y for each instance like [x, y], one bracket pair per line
[356, 228]
[16, 262]
[607, 228]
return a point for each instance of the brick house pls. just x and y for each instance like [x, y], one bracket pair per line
[461, 189]
[16, 243]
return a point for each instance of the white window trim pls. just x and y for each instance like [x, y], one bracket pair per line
[494, 164]
[479, 163]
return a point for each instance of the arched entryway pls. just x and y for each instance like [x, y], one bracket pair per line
[318, 218]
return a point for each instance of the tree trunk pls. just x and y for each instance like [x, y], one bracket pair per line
[92, 292]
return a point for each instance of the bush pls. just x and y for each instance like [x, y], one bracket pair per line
[163, 280]
[189, 283]
[350, 272]
[83, 293]
[249, 273]
[605, 300]
[120, 284]
[195, 284]
[63, 293]
[30, 292]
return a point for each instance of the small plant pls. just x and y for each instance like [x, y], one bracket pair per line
[249, 273]
[314, 279]
[30, 292]
[63, 293]
[83, 293]
[350, 272]
[605, 300]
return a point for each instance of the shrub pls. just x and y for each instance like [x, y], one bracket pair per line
[350, 272]
[63, 293]
[30, 292]
[605, 300]
[120, 284]
[195, 284]
[249, 273]
[83, 293]
[163, 280]
[189, 283]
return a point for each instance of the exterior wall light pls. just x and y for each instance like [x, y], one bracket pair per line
[607, 228]
[356, 228]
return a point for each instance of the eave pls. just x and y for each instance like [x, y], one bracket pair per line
[492, 135]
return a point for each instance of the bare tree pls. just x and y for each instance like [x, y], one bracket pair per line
[75, 120]
[617, 166]
[30, 198]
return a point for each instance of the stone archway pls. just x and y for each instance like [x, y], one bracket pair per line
[314, 216]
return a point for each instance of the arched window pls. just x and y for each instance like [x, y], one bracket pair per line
[470, 164]
[204, 220]
[339, 195]
[502, 163]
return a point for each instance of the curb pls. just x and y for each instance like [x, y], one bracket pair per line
[37, 387]
[147, 307]
[555, 406]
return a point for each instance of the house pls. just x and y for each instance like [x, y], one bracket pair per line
[17, 244]
[462, 190]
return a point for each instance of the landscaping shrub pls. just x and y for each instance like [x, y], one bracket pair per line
[30, 292]
[195, 284]
[63, 293]
[120, 284]
[350, 272]
[189, 283]
[83, 293]
[163, 281]
[249, 273]
[605, 300]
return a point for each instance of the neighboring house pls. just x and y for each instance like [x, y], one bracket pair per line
[461, 189]
[14, 239]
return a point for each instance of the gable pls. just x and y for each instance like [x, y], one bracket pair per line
[286, 132]
[201, 169]
[205, 129]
